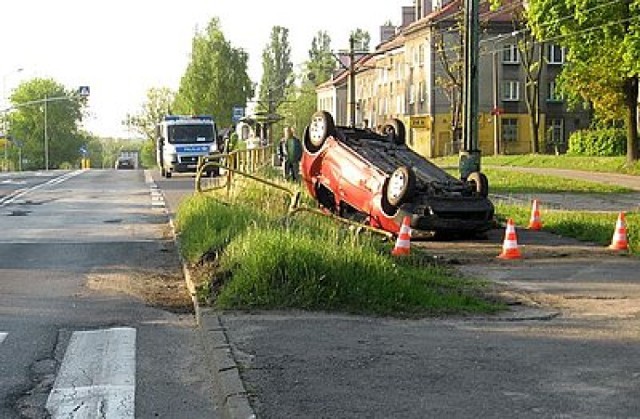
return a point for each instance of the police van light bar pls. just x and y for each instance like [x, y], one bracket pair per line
[178, 117]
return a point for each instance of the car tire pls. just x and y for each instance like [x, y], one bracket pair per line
[321, 127]
[394, 129]
[480, 183]
[168, 174]
[400, 186]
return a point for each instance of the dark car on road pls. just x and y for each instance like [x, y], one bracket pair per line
[125, 163]
[377, 179]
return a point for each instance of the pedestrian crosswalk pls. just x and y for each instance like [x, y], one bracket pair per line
[96, 377]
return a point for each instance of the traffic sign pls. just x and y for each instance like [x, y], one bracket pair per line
[83, 91]
[237, 113]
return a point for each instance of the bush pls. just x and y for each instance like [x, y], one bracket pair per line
[600, 142]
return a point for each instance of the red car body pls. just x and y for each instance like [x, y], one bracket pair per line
[381, 180]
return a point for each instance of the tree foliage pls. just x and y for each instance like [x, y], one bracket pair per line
[603, 51]
[302, 100]
[361, 40]
[321, 63]
[277, 70]
[64, 113]
[216, 78]
[158, 104]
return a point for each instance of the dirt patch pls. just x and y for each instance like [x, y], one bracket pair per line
[162, 290]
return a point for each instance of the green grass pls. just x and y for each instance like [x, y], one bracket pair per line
[263, 259]
[588, 163]
[586, 226]
[503, 181]
[282, 268]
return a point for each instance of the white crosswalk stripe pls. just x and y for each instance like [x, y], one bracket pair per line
[2, 336]
[97, 376]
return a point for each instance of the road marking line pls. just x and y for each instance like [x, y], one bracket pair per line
[2, 336]
[10, 198]
[97, 377]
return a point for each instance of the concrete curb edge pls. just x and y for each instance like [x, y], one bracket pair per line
[230, 394]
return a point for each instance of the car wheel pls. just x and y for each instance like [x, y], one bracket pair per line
[395, 130]
[168, 174]
[480, 183]
[321, 127]
[400, 186]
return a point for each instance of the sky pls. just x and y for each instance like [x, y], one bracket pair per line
[122, 48]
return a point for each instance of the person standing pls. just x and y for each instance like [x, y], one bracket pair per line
[291, 151]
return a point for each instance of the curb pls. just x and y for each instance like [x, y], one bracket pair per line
[231, 397]
[230, 393]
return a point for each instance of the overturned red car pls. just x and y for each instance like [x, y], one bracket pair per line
[377, 179]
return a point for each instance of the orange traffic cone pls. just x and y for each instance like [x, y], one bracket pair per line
[510, 245]
[403, 243]
[619, 241]
[534, 222]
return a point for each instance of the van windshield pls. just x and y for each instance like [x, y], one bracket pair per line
[189, 134]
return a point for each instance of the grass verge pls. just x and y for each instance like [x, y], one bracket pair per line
[595, 227]
[503, 181]
[249, 255]
[588, 163]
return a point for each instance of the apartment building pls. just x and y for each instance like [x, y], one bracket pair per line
[415, 75]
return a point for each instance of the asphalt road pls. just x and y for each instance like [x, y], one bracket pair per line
[567, 347]
[84, 331]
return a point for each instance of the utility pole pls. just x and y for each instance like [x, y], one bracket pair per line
[470, 156]
[46, 140]
[352, 82]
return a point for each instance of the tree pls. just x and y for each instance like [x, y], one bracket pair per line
[277, 70]
[216, 78]
[158, 104]
[321, 63]
[301, 101]
[531, 56]
[64, 113]
[603, 55]
[361, 40]
[448, 41]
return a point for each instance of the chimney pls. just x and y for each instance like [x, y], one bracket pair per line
[408, 15]
[423, 8]
[387, 32]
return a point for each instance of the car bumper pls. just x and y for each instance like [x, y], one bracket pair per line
[449, 215]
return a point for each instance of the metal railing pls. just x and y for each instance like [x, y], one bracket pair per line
[246, 163]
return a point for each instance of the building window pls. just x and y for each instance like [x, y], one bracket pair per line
[556, 54]
[421, 55]
[412, 94]
[510, 91]
[510, 54]
[422, 91]
[556, 131]
[510, 129]
[553, 95]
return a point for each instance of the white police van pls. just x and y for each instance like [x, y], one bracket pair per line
[181, 140]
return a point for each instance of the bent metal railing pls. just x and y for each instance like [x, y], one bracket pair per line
[245, 163]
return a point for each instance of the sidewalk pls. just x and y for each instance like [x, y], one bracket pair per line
[566, 347]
